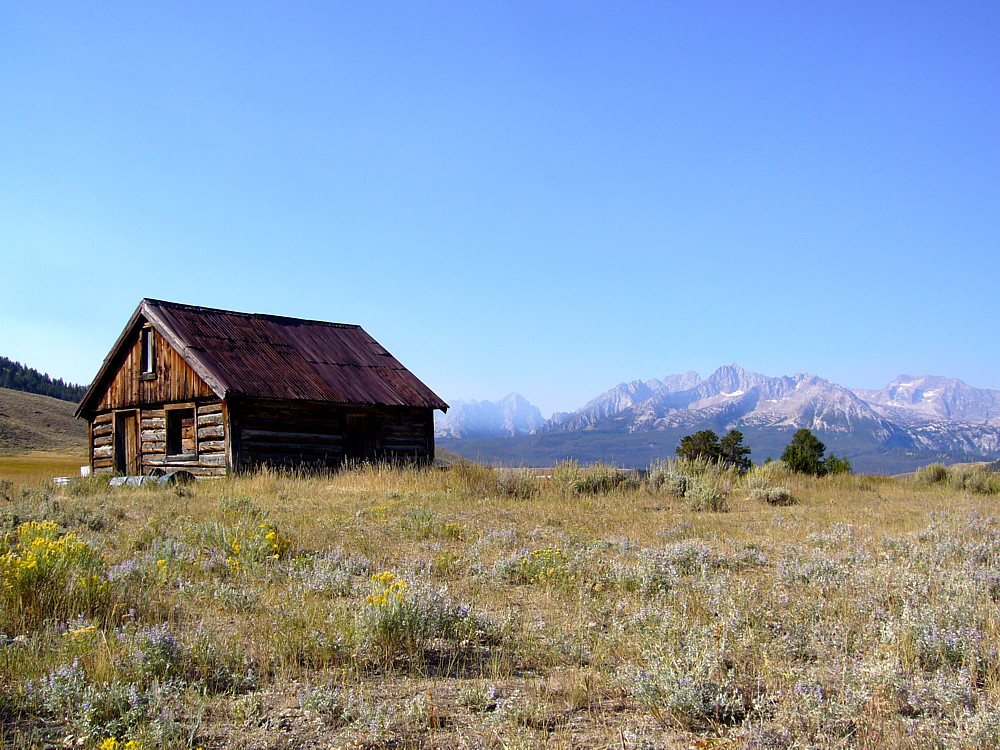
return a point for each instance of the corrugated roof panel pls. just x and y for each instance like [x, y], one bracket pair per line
[268, 356]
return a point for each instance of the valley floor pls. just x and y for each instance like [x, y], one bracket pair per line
[468, 608]
[32, 468]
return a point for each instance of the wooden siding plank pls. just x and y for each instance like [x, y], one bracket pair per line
[175, 380]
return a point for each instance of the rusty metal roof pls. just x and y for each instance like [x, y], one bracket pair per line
[269, 356]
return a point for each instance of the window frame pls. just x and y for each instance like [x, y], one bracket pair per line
[170, 413]
[147, 353]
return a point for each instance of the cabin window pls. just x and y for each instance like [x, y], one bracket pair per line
[182, 437]
[148, 353]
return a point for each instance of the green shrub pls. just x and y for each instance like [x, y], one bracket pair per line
[703, 467]
[517, 486]
[95, 484]
[663, 479]
[69, 698]
[238, 508]
[245, 543]
[706, 497]
[976, 479]
[545, 565]
[475, 481]
[932, 474]
[597, 479]
[700, 482]
[773, 495]
[687, 681]
[601, 479]
[419, 521]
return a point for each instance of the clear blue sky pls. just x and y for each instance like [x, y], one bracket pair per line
[542, 197]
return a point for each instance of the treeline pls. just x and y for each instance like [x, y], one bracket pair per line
[804, 454]
[17, 377]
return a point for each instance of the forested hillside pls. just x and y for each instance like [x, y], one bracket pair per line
[17, 377]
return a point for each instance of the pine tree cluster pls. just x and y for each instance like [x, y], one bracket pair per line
[17, 377]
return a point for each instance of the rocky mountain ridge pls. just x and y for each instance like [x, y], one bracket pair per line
[910, 413]
[935, 398]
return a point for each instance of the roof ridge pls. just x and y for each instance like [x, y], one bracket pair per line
[263, 316]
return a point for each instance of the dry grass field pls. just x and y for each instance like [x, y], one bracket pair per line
[32, 468]
[468, 608]
[30, 422]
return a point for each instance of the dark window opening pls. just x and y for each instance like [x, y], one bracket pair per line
[182, 439]
[148, 352]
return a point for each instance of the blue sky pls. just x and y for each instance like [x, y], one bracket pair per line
[542, 197]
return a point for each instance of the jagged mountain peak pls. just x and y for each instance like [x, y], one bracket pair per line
[733, 378]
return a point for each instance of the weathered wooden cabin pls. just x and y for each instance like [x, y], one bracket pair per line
[213, 391]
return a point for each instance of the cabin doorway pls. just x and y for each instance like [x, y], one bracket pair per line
[126, 443]
[359, 442]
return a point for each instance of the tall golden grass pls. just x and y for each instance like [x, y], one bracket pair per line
[392, 607]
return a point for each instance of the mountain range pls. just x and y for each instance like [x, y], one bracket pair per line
[910, 420]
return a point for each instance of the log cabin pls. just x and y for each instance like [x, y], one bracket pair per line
[213, 391]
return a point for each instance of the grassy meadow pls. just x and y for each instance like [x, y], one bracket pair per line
[32, 468]
[480, 608]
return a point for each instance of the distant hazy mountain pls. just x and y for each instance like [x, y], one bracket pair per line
[911, 415]
[511, 415]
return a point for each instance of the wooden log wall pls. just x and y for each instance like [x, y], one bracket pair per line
[407, 433]
[209, 459]
[288, 434]
[102, 457]
[310, 435]
[285, 434]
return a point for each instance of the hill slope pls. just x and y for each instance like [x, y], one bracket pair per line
[30, 422]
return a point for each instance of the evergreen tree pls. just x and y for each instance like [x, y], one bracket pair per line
[734, 452]
[805, 454]
[836, 465]
[703, 444]
[17, 377]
